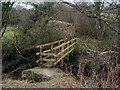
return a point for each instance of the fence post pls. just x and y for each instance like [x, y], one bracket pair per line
[62, 55]
[58, 45]
[52, 50]
[72, 47]
[40, 55]
[55, 52]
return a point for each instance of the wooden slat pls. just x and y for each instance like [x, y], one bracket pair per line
[46, 51]
[52, 51]
[45, 54]
[63, 56]
[48, 44]
[64, 44]
[46, 57]
[65, 49]
[57, 47]
[52, 60]
[38, 53]
[53, 48]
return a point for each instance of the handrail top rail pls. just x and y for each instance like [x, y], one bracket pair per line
[64, 43]
[65, 49]
[57, 47]
[44, 45]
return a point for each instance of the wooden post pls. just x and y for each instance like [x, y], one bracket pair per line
[65, 42]
[68, 50]
[58, 45]
[52, 50]
[72, 47]
[41, 55]
[55, 52]
[62, 55]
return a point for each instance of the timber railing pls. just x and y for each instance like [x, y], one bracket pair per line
[56, 51]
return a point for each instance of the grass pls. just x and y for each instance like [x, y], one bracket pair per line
[91, 63]
[9, 37]
[10, 32]
[85, 43]
[56, 82]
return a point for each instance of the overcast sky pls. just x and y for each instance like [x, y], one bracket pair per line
[71, 1]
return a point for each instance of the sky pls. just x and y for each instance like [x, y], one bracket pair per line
[27, 6]
[60, 0]
[71, 1]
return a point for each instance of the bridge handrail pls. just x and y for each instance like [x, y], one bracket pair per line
[48, 44]
[56, 54]
[65, 49]
[58, 47]
[63, 53]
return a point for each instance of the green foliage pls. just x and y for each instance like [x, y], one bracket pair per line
[86, 43]
[14, 21]
[41, 11]
[91, 63]
[6, 7]
[9, 34]
[8, 38]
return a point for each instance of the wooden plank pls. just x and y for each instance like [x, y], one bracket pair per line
[63, 57]
[64, 44]
[40, 52]
[52, 60]
[51, 50]
[45, 54]
[38, 61]
[46, 57]
[49, 54]
[58, 47]
[46, 51]
[48, 44]
[65, 49]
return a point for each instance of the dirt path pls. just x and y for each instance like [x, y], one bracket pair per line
[61, 82]
[57, 81]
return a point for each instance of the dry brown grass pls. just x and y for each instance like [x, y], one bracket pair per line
[106, 75]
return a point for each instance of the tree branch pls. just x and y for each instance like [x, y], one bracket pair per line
[91, 16]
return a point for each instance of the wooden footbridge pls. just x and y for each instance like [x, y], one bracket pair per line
[56, 51]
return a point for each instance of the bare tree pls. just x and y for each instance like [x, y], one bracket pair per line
[6, 8]
[97, 9]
